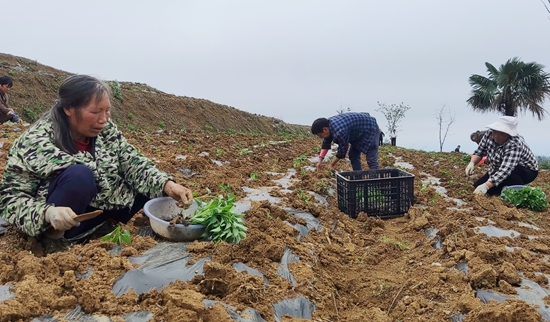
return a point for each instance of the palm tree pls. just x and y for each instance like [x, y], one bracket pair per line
[515, 86]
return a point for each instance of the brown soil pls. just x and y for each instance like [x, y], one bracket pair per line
[353, 270]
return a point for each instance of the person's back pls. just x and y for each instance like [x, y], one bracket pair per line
[457, 148]
[476, 136]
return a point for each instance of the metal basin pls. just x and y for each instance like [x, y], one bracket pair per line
[161, 210]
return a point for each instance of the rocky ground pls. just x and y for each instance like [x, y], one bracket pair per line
[427, 265]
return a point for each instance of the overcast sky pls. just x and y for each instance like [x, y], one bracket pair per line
[296, 60]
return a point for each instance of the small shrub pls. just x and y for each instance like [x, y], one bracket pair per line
[32, 113]
[116, 89]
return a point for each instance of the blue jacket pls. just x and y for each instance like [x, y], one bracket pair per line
[358, 129]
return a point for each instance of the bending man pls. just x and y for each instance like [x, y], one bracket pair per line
[359, 130]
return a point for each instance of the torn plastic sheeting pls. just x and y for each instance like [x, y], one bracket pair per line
[242, 267]
[282, 269]
[458, 317]
[115, 251]
[311, 221]
[532, 293]
[77, 315]
[532, 296]
[462, 267]
[3, 226]
[5, 293]
[302, 230]
[251, 314]
[147, 231]
[485, 296]
[158, 275]
[83, 276]
[164, 263]
[299, 307]
[163, 251]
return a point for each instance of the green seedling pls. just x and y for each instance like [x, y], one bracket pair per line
[225, 188]
[323, 187]
[253, 176]
[434, 199]
[400, 245]
[425, 186]
[244, 151]
[526, 197]
[219, 152]
[222, 224]
[299, 161]
[303, 196]
[118, 237]
[465, 159]
[382, 289]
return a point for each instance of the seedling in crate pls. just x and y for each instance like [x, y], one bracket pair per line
[372, 196]
[118, 237]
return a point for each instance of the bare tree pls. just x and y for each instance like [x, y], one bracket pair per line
[343, 109]
[444, 120]
[547, 8]
[393, 114]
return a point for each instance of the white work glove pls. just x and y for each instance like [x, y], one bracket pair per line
[470, 168]
[481, 189]
[61, 218]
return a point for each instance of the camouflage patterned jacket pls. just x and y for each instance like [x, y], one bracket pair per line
[34, 161]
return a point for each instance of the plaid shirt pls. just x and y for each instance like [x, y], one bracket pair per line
[357, 129]
[504, 158]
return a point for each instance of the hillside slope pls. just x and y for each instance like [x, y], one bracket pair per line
[136, 106]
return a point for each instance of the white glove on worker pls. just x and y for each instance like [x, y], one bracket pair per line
[61, 218]
[481, 189]
[470, 168]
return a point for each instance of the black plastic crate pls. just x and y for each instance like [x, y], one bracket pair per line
[383, 193]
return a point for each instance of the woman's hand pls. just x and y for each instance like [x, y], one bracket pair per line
[178, 192]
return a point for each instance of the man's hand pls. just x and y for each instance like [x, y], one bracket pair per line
[470, 168]
[178, 192]
[332, 165]
[61, 218]
[481, 189]
[319, 164]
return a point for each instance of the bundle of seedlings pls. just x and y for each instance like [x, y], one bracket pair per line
[220, 220]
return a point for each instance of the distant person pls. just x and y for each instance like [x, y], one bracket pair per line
[476, 136]
[511, 161]
[75, 160]
[6, 113]
[359, 131]
[457, 148]
[393, 138]
[381, 138]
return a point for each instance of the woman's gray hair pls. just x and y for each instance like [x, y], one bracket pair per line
[76, 92]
